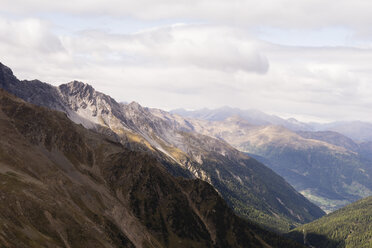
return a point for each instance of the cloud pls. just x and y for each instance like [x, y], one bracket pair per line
[29, 46]
[275, 13]
[208, 47]
[193, 66]
[326, 82]
[30, 34]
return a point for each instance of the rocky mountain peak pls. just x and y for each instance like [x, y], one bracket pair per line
[75, 88]
[5, 69]
[135, 105]
[91, 105]
[6, 75]
[135, 109]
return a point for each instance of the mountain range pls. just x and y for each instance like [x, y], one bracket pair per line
[253, 191]
[252, 116]
[65, 186]
[327, 167]
[79, 169]
[359, 131]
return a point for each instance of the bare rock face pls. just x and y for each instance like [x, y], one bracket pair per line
[250, 188]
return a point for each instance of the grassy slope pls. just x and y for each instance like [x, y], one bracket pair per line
[347, 227]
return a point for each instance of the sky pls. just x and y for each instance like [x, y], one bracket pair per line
[311, 60]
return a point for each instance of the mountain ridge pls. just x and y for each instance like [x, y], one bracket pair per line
[212, 160]
[253, 116]
[355, 129]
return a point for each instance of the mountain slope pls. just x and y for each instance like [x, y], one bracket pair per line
[251, 189]
[65, 186]
[328, 168]
[363, 149]
[348, 227]
[331, 137]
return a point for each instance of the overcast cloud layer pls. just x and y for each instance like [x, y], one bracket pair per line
[307, 59]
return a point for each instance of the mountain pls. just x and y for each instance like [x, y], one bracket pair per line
[333, 138]
[253, 116]
[250, 188]
[65, 186]
[348, 227]
[328, 168]
[356, 130]
[363, 149]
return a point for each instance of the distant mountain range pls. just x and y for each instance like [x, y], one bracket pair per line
[357, 130]
[250, 188]
[252, 116]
